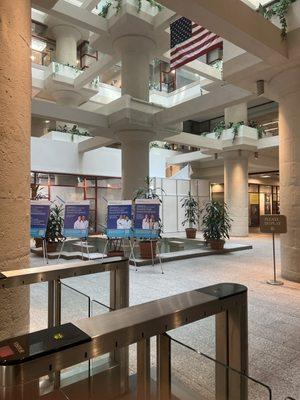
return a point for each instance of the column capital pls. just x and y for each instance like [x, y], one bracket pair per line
[66, 31]
[236, 154]
[285, 83]
[134, 44]
[133, 136]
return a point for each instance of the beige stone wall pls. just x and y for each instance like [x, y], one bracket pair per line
[15, 116]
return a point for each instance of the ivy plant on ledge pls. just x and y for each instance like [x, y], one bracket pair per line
[279, 9]
[117, 5]
[235, 126]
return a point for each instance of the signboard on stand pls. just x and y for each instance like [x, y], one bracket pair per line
[119, 219]
[273, 223]
[40, 211]
[146, 218]
[76, 220]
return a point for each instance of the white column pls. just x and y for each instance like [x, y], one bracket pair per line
[135, 160]
[15, 117]
[236, 190]
[286, 89]
[136, 53]
[66, 44]
[236, 113]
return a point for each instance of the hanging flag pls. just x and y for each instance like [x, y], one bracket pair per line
[190, 41]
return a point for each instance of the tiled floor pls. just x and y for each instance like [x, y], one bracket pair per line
[274, 312]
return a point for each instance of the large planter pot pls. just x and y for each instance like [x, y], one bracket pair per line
[146, 252]
[116, 253]
[191, 233]
[217, 244]
[52, 247]
[38, 242]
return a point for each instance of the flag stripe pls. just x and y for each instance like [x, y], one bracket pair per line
[190, 41]
[200, 47]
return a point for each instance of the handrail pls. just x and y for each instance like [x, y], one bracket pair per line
[223, 365]
[46, 273]
[115, 331]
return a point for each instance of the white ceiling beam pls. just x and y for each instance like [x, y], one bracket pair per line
[187, 157]
[235, 21]
[268, 142]
[164, 18]
[49, 110]
[89, 5]
[94, 70]
[94, 143]
[218, 99]
[189, 139]
[43, 5]
[198, 67]
[74, 15]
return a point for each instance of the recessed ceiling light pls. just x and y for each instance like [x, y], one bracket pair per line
[47, 121]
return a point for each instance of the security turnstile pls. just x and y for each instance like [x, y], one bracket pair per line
[115, 331]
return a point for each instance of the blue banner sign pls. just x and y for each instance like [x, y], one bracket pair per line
[76, 222]
[146, 219]
[119, 219]
[40, 211]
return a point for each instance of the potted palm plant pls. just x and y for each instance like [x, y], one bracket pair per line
[216, 224]
[191, 215]
[147, 246]
[54, 228]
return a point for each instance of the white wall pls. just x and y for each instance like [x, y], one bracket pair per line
[58, 156]
[172, 192]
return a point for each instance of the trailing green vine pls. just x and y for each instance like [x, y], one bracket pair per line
[117, 5]
[220, 127]
[279, 9]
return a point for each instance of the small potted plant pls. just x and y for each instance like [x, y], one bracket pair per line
[54, 228]
[147, 246]
[191, 215]
[216, 224]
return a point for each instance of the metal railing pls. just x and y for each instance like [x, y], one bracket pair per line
[53, 274]
[113, 332]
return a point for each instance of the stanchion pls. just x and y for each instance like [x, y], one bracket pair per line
[274, 281]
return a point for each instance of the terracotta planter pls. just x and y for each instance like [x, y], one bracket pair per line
[115, 253]
[38, 242]
[217, 244]
[52, 247]
[145, 249]
[191, 233]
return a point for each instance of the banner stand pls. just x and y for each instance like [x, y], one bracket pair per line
[45, 252]
[122, 239]
[82, 241]
[158, 253]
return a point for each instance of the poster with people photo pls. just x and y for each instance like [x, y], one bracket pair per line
[40, 211]
[76, 220]
[119, 219]
[146, 218]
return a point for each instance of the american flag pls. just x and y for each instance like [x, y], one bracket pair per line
[190, 41]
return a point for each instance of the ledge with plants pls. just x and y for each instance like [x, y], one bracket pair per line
[279, 10]
[220, 128]
[117, 6]
[73, 131]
